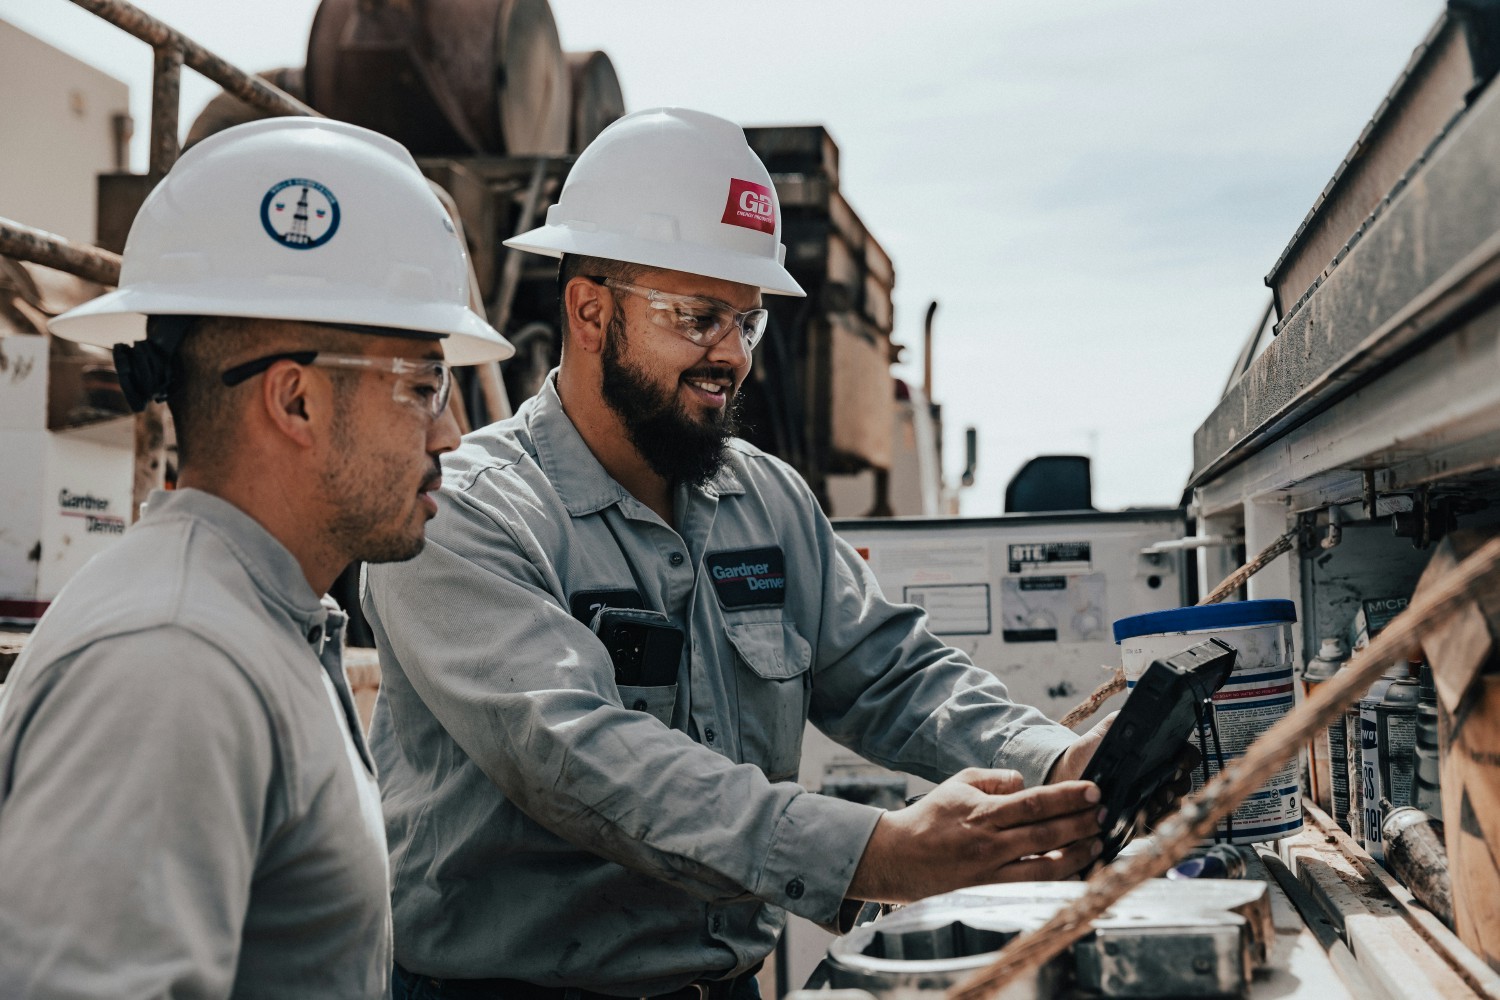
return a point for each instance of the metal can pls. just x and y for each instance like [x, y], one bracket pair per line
[1259, 693]
[1326, 765]
[1388, 735]
[1426, 795]
[1353, 817]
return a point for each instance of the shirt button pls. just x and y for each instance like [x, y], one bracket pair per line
[640, 705]
[715, 923]
[315, 633]
[675, 558]
[708, 734]
[795, 888]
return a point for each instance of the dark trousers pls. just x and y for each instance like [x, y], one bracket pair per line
[410, 986]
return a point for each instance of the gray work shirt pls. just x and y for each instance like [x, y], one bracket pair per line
[549, 825]
[187, 808]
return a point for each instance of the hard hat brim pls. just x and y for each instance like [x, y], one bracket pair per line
[554, 240]
[120, 317]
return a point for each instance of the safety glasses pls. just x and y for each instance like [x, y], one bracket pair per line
[424, 383]
[702, 320]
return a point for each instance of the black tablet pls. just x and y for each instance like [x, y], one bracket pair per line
[1136, 758]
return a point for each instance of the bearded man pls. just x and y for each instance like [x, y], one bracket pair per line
[573, 814]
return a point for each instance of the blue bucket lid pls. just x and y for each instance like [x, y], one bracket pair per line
[1231, 614]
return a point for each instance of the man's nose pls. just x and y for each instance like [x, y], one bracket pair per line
[442, 433]
[732, 350]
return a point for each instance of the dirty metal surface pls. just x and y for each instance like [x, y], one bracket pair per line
[1165, 939]
[1420, 104]
[1433, 417]
[597, 98]
[1423, 265]
[445, 77]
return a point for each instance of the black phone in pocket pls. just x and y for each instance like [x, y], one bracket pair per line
[644, 646]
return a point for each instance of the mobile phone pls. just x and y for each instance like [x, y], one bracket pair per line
[1134, 760]
[644, 646]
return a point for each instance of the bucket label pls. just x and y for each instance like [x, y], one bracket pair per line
[1258, 694]
[750, 205]
[1050, 557]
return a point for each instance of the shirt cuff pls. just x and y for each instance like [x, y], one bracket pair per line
[1033, 750]
[817, 845]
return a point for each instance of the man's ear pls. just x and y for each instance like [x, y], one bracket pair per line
[589, 308]
[292, 399]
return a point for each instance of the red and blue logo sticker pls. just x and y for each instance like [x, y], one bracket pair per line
[300, 213]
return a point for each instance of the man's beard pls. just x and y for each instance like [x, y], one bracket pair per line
[676, 447]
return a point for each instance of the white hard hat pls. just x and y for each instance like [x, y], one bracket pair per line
[674, 189]
[301, 219]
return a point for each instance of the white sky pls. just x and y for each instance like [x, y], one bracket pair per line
[1093, 190]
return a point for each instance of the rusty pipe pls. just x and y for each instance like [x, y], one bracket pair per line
[250, 89]
[166, 91]
[50, 250]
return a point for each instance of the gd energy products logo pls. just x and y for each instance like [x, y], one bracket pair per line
[93, 510]
[750, 205]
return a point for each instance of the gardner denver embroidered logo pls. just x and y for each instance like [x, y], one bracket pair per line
[748, 578]
[750, 205]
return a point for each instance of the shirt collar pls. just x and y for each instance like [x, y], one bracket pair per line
[275, 571]
[584, 485]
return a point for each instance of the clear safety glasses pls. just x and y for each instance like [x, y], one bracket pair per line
[702, 320]
[426, 383]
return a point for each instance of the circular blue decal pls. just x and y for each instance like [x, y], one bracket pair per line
[300, 213]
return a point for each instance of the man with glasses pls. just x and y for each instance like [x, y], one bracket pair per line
[187, 805]
[572, 814]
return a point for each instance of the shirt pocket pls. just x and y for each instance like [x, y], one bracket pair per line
[657, 700]
[774, 686]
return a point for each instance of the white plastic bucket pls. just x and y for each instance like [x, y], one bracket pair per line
[1258, 694]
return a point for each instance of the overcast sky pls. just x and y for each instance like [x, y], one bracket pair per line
[1092, 190]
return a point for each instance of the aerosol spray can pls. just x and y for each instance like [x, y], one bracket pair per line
[1426, 795]
[1353, 817]
[1363, 800]
[1327, 766]
[1388, 737]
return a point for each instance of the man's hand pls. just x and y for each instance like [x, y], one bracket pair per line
[1070, 766]
[978, 827]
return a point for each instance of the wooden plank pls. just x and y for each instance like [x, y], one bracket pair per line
[800, 149]
[862, 391]
[878, 306]
[1399, 944]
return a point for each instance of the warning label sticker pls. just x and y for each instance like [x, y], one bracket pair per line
[1049, 557]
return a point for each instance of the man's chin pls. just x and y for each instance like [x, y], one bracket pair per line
[396, 549]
